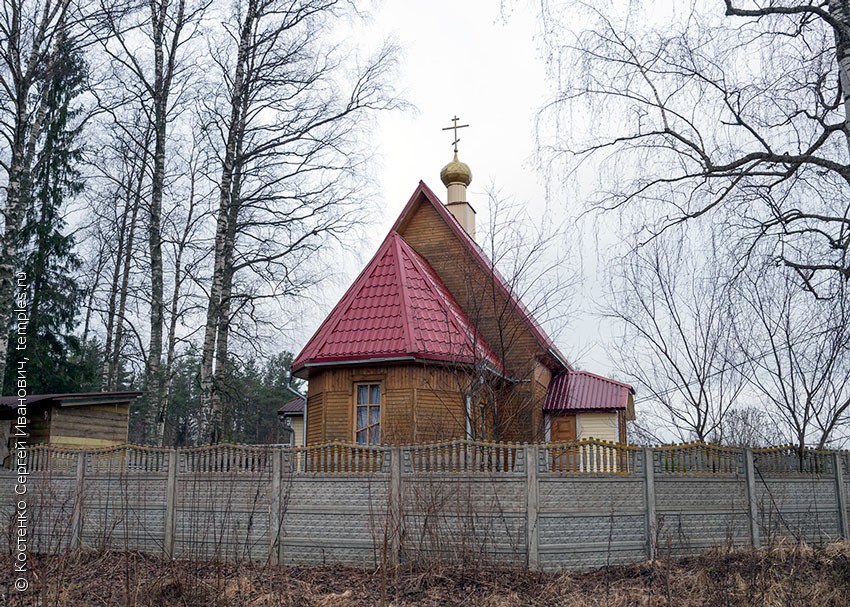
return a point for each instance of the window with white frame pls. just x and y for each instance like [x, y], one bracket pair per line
[367, 430]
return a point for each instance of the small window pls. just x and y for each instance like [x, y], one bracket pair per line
[367, 430]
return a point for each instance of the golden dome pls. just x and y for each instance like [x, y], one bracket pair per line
[456, 172]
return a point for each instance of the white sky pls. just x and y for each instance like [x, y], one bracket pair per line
[465, 59]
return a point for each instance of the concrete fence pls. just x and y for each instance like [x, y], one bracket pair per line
[549, 506]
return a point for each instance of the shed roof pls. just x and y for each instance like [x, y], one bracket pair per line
[73, 399]
[396, 309]
[583, 391]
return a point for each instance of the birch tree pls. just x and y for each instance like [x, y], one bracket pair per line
[150, 53]
[187, 252]
[734, 112]
[121, 170]
[288, 130]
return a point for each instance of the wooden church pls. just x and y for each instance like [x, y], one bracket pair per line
[430, 343]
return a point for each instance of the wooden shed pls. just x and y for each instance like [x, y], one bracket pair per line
[582, 405]
[93, 419]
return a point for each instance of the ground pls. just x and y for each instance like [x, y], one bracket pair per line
[780, 576]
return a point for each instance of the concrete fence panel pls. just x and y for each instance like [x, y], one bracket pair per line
[549, 506]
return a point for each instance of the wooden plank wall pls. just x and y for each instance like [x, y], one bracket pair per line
[419, 402]
[91, 425]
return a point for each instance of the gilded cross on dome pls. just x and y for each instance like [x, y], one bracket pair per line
[454, 128]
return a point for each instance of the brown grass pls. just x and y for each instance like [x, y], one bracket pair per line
[781, 576]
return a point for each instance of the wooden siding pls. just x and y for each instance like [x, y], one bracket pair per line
[440, 415]
[91, 425]
[540, 385]
[621, 421]
[417, 401]
[39, 427]
[420, 402]
[315, 416]
[339, 423]
[397, 416]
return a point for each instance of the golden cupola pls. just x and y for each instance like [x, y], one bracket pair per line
[457, 176]
[456, 172]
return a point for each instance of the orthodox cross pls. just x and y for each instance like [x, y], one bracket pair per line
[454, 128]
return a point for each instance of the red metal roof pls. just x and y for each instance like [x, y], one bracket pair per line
[292, 406]
[397, 309]
[424, 192]
[580, 390]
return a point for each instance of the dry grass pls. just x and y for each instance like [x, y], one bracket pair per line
[781, 576]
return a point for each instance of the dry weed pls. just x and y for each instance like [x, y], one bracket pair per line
[780, 576]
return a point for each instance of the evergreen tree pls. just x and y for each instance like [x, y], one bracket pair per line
[56, 361]
[254, 392]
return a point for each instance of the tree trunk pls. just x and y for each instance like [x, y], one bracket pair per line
[14, 213]
[224, 307]
[163, 75]
[170, 356]
[101, 262]
[115, 365]
[212, 366]
[106, 373]
[840, 11]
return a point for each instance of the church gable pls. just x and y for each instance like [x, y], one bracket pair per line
[483, 293]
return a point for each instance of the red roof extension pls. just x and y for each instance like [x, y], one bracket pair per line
[292, 406]
[397, 309]
[583, 391]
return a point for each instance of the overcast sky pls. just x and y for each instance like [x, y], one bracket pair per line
[470, 60]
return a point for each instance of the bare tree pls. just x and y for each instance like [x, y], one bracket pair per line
[149, 50]
[797, 352]
[750, 426]
[741, 118]
[186, 255]
[672, 301]
[287, 128]
[121, 168]
[528, 278]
